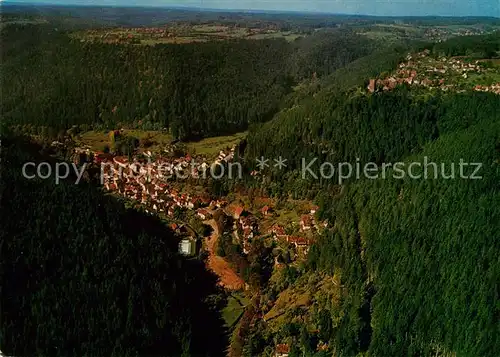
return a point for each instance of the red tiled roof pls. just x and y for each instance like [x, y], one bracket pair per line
[279, 230]
[203, 212]
[297, 240]
[283, 348]
[238, 211]
[121, 160]
[306, 220]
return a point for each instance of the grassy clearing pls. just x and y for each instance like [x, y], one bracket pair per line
[234, 309]
[287, 301]
[285, 218]
[381, 35]
[210, 28]
[408, 28]
[211, 147]
[290, 37]
[97, 140]
[482, 79]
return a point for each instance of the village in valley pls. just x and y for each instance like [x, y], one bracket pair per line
[173, 187]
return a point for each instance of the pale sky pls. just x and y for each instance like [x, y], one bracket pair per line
[366, 7]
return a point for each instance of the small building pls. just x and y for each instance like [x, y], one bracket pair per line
[282, 350]
[238, 212]
[203, 213]
[277, 231]
[248, 233]
[266, 210]
[187, 247]
[371, 86]
[297, 241]
[306, 223]
[121, 161]
[322, 346]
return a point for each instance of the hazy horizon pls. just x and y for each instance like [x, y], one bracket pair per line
[488, 8]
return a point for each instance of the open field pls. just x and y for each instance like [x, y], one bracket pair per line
[97, 140]
[393, 32]
[212, 146]
[181, 33]
[234, 309]
[160, 140]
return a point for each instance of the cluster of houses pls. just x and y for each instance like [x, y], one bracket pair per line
[144, 180]
[124, 35]
[247, 226]
[136, 34]
[494, 88]
[225, 157]
[307, 224]
[441, 34]
[422, 70]
[283, 349]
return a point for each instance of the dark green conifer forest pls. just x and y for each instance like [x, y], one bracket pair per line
[417, 259]
[84, 275]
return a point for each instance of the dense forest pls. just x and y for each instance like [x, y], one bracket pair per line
[415, 262]
[473, 46]
[84, 276]
[422, 255]
[193, 90]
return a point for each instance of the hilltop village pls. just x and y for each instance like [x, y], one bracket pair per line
[420, 69]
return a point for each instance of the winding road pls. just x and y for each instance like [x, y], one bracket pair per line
[228, 278]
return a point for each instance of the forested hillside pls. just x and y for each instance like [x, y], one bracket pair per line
[416, 260]
[421, 255]
[194, 90]
[475, 46]
[84, 276]
[407, 267]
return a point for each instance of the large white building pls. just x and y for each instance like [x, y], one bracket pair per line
[186, 247]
